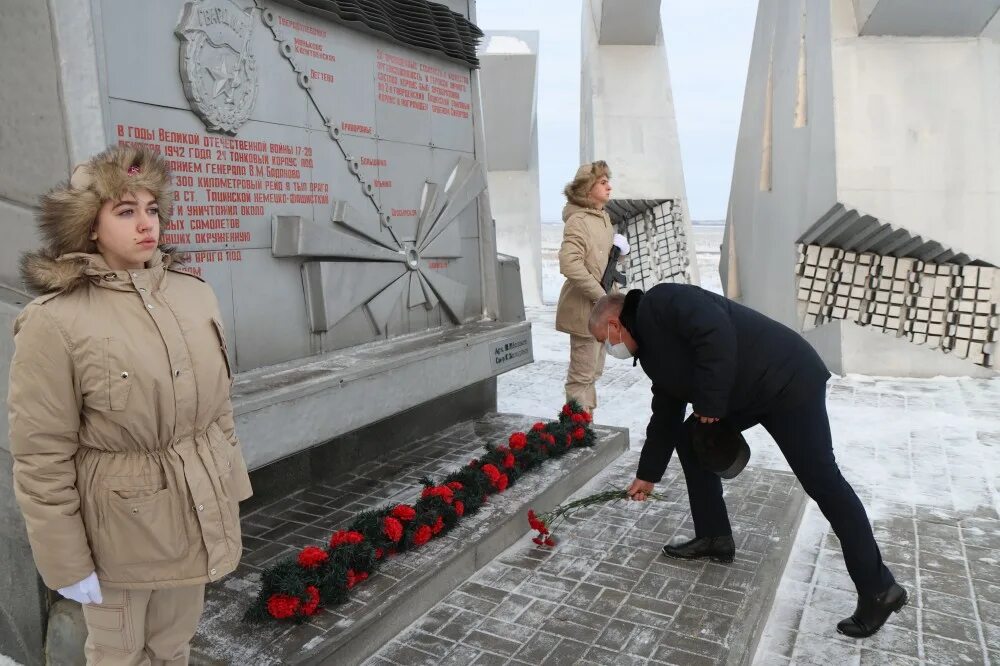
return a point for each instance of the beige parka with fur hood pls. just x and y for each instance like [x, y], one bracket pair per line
[587, 239]
[126, 460]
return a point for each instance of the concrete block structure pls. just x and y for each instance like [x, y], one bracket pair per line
[509, 76]
[509, 79]
[865, 199]
[330, 185]
[627, 119]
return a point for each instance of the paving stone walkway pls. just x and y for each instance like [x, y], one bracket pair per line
[929, 475]
[923, 455]
[606, 595]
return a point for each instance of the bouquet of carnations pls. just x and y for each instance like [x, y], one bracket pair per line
[545, 523]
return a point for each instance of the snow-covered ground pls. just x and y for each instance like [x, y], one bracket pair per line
[875, 420]
[917, 451]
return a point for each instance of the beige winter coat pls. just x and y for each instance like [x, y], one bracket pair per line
[587, 239]
[126, 459]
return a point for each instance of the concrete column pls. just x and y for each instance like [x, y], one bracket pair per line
[627, 110]
[509, 78]
[869, 136]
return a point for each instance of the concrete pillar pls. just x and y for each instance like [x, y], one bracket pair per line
[627, 119]
[509, 77]
[866, 193]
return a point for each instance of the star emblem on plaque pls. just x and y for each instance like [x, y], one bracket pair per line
[218, 71]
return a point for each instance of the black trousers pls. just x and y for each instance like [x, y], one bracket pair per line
[803, 435]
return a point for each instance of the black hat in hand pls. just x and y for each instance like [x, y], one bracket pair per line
[719, 447]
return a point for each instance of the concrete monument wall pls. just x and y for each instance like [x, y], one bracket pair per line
[330, 185]
[627, 119]
[509, 75]
[866, 189]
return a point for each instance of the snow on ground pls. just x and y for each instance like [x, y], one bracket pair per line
[7, 661]
[910, 447]
[914, 438]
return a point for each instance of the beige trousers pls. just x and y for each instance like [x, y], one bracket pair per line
[143, 627]
[586, 365]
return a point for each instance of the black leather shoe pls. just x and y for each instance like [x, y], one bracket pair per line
[872, 612]
[717, 549]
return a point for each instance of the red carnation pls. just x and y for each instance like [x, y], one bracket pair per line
[579, 433]
[459, 508]
[392, 528]
[438, 525]
[501, 483]
[579, 418]
[312, 605]
[538, 427]
[422, 535]
[549, 541]
[587, 417]
[537, 540]
[444, 492]
[508, 461]
[567, 410]
[311, 556]
[549, 437]
[491, 472]
[346, 537]
[379, 553]
[404, 512]
[355, 577]
[518, 441]
[569, 441]
[455, 485]
[282, 606]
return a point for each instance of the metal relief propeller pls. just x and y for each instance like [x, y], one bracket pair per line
[354, 262]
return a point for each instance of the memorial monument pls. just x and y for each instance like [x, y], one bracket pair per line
[328, 163]
[866, 193]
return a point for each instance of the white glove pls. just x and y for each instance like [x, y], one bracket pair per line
[621, 243]
[87, 591]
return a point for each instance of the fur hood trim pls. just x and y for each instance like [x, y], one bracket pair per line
[45, 274]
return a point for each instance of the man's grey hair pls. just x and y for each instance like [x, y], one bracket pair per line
[606, 307]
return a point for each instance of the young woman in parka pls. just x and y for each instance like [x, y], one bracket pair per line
[127, 467]
[588, 236]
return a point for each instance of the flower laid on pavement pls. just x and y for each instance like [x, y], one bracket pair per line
[545, 523]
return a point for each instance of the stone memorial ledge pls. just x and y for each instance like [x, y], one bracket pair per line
[286, 408]
[406, 585]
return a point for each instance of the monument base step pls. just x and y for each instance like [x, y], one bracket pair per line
[406, 585]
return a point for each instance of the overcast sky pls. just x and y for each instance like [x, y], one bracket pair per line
[708, 46]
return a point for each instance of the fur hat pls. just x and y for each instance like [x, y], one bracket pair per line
[69, 210]
[719, 447]
[577, 191]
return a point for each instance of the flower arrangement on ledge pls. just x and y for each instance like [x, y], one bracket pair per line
[297, 587]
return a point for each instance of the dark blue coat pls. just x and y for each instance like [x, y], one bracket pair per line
[725, 359]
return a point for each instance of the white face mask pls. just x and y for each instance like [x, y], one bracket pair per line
[619, 350]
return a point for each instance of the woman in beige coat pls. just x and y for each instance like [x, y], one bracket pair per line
[588, 236]
[126, 463]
